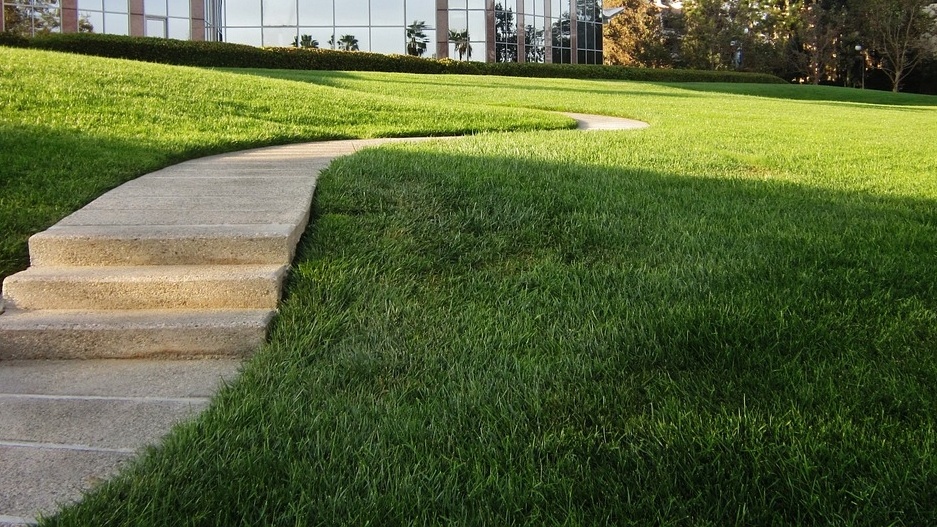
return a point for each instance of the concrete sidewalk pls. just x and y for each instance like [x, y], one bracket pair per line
[186, 262]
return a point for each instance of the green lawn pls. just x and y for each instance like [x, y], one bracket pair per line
[727, 318]
[72, 127]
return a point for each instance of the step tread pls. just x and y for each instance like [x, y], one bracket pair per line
[139, 245]
[58, 319]
[153, 333]
[169, 232]
[148, 273]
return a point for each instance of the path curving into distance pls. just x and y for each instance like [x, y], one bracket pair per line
[185, 262]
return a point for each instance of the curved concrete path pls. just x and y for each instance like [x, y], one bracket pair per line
[186, 261]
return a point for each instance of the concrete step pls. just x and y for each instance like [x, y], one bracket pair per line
[40, 479]
[145, 287]
[68, 334]
[118, 378]
[91, 422]
[112, 245]
[67, 425]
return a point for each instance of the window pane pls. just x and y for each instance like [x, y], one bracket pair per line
[243, 13]
[424, 10]
[458, 21]
[279, 36]
[93, 5]
[388, 40]
[387, 13]
[315, 12]
[155, 27]
[155, 8]
[279, 13]
[249, 36]
[179, 8]
[351, 13]
[179, 28]
[359, 33]
[96, 19]
[116, 24]
[476, 25]
[116, 6]
[319, 34]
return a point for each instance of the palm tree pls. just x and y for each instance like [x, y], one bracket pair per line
[348, 43]
[305, 42]
[416, 38]
[462, 45]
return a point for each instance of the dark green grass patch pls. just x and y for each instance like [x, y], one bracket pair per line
[567, 328]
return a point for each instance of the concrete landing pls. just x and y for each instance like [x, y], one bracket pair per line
[66, 426]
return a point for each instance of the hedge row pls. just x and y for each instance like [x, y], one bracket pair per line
[224, 55]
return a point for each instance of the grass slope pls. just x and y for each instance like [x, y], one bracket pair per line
[728, 318]
[73, 126]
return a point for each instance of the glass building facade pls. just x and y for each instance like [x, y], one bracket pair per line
[562, 31]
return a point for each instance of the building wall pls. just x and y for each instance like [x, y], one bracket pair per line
[496, 30]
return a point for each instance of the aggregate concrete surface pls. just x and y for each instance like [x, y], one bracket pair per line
[68, 425]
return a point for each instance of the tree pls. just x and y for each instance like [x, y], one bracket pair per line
[899, 31]
[505, 34]
[706, 44]
[635, 37]
[306, 42]
[348, 43]
[85, 25]
[534, 44]
[416, 38]
[462, 45]
[820, 29]
[28, 20]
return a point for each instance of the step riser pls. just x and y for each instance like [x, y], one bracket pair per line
[48, 251]
[260, 292]
[38, 343]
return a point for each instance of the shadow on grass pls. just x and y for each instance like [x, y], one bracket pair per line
[334, 79]
[525, 340]
[50, 173]
[831, 94]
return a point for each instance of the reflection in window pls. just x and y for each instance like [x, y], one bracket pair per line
[179, 9]
[242, 13]
[387, 40]
[458, 21]
[32, 17]
[179, 28]
[279, 13]
[279, 36]
[316, 12]
[155, 8]
[352, 13]
[155, 27]
[108, 16]
[387, 13]
[543, 29]
[250, 36]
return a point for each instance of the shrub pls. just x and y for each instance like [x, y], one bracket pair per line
[225, 55]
